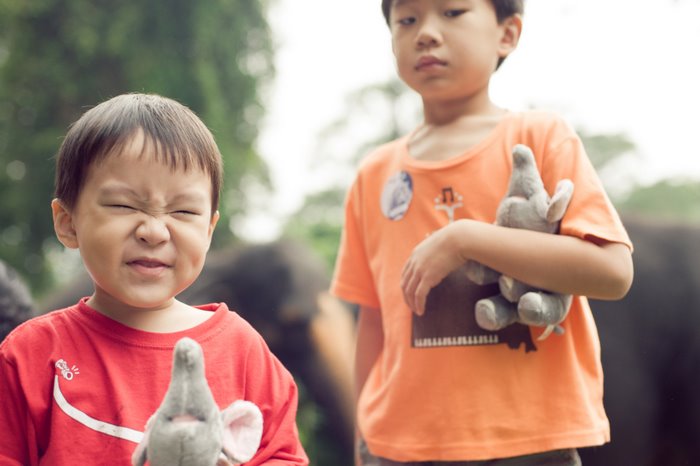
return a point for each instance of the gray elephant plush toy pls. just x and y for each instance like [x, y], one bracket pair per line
[188, 429]
[526, 205]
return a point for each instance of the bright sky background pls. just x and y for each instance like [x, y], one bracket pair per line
[606, 65]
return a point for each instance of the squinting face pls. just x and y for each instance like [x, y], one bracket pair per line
[143, 229]
[446, 48]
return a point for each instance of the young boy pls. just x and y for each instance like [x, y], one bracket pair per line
[137, 190]
[420, 207]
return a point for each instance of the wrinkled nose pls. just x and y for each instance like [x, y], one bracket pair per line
[152, 231]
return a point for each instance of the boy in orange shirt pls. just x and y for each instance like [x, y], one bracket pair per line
[432, 386]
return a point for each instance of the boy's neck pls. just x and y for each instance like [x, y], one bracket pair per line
[452, 134]
[172, 316]
[439, 112]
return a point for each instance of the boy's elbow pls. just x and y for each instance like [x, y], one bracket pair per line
[621, 274]
[623, 283]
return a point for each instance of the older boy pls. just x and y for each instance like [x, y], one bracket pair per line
[432, 386]
[137, 189]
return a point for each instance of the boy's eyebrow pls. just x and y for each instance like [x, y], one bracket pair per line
[125, 190]
[398, 3]
[189, 197]
[114, 190]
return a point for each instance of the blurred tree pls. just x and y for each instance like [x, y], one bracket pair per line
[671, 199]
[318, 223]
[60, 57]
[603, 149]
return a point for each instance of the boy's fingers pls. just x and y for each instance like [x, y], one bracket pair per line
[414, 288]
[408, 286]
[408, 295]
[420, 297]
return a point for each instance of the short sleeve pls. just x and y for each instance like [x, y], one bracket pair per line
[352, 278]
[590, 215]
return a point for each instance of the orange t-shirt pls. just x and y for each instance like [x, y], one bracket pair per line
[444, 389]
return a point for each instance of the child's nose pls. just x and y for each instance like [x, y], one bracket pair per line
[152, 230]
[428, 34]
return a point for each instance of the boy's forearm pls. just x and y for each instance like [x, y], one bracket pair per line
[557, 263]
[370, 339]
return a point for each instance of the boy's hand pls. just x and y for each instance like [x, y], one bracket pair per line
[430, 262]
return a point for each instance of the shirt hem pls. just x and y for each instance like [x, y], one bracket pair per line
[462, 452]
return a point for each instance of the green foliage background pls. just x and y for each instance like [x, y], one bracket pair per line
[60, 57]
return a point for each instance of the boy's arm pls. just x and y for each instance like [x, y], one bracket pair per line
[559, 263]
[370, 339]
[369, 342]
[14, 442]
[270, 386]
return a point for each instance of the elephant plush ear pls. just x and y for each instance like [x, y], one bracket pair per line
[243, 426]
[560, 200]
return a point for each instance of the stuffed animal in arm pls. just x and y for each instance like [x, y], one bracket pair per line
[188, 429]
[527, 205]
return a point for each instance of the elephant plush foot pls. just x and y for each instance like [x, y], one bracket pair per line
[495, 313]
[480, 274]
[543, 309]
[512, 289]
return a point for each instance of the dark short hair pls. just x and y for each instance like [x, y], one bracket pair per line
[504, 8]
[177, 135]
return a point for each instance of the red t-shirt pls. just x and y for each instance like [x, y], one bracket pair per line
[77, 387]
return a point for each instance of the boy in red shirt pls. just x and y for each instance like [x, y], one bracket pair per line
[137, 190]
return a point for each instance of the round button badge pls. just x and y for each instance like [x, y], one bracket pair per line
[397, 195]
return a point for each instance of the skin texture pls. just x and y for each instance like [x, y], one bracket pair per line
[143, 230]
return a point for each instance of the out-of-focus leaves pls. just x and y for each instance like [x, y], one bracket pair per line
[318, 223]
[603, 149]
[60, 57]
[665, 200]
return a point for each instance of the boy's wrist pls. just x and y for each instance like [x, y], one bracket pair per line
[461, 236]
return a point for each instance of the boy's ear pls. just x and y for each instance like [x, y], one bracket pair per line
[63, 224]
[512, 28]
[212, 223]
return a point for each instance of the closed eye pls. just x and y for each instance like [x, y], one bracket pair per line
[120, 206]
[455, 13]
[185, 212]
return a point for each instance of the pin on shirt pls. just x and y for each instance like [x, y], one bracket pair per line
[397, 195]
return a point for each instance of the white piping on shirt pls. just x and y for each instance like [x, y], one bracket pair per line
[92, 423]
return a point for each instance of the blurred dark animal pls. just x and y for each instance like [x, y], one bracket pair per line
[16, 304]
[651, 353]
[280, 288]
